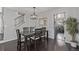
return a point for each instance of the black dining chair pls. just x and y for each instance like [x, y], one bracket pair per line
[31, 29]
[20, 41]
[36, 37]
[27, 30]
[43, 34]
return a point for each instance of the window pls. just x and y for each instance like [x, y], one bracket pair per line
[59, 18]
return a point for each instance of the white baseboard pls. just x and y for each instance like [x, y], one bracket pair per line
[4, 41]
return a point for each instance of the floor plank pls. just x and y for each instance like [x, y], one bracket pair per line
[41, 46]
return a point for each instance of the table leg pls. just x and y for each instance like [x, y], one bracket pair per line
[30, 44]
[47, 37]
[25, 43]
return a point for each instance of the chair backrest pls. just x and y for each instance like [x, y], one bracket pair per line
[31, 29]
[43, 30]
[18, 35]
[26, 30]
[38, 32]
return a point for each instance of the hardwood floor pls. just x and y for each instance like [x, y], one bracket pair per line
[52, 46]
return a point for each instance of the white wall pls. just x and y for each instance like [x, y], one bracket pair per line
[9, 24]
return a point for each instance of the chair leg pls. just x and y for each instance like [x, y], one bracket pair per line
[40, 39]
[35, 45]
[44, 42]
[47, 37]
[19, 46]
[25, 43]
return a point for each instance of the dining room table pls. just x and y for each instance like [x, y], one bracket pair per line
[28, 35]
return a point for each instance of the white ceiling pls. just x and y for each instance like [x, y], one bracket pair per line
[30, 9]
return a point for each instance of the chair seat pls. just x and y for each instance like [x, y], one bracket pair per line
[23, 39]
[43, 35]
[34, 38]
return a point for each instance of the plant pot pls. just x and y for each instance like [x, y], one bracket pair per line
[60, 42]
[74, 44]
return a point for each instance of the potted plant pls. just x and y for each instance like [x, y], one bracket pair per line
[71, 25]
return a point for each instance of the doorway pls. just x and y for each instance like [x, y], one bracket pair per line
[59, 26]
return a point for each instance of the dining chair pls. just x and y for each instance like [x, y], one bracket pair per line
[31, 29]
[36, 37]
[43, 32]
[43, 35]
[26, 30]
[20, 41]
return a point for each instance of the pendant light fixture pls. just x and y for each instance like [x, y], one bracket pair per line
[34, 16]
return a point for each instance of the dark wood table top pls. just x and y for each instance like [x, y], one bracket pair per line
[29, 34]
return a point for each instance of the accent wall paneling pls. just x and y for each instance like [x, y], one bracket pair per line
[19, 21]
